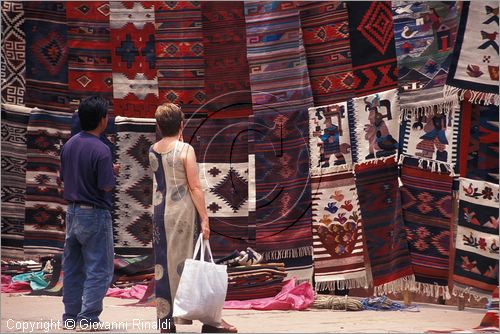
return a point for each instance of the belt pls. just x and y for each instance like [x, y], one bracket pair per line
[84, 205]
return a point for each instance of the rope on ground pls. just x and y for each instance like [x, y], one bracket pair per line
[337, 303]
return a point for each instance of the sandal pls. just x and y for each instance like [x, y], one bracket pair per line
[224, 327]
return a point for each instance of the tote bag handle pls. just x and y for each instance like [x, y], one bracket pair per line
[201, 249]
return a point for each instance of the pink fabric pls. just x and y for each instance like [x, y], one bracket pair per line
[14, 287]
[135, 292]
[291, 297]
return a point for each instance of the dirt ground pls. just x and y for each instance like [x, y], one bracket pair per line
[43, 312]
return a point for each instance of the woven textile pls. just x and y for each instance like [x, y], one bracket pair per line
[47, 66]
[89, 49]
[477, 242]
[426, 199]
[132, 211]
[337, 233]
[374, 125]
[329, 138]
[479, 143]
[325, 30]
[490, 319]
[44, 229]
[14, 130]
[372, 46]
[474, 66]
[135, 84]
[425, 33]
[380, 203]
[227, 84]
[179, 53]
[275, 51]
[433, 136]
[13, 53]
[223, 167]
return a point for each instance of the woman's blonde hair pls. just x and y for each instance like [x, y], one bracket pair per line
[169, 117]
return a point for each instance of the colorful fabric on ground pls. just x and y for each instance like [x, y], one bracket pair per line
[427, 202]
[135, 84]
[291, 297]
[338, 242]
[89, 49]
[490, 319]
[325, 30]
[14, 130]
[227, 85]
[425, 33]
[47, 65]
[372, 46]
[474, 66]
[132, 220]
[479, 143]
[433, 136]
[254, 282]
[223, 168]
[44, 229]
[275, 52]
[179, 53]
[477, 241]
[380, 203]
[329, 138]
[13, 53]
[374, 125]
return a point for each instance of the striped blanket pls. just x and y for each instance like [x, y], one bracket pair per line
[275, 51]
[45, 206]
[14, 130]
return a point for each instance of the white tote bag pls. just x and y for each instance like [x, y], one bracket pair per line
[202, 288]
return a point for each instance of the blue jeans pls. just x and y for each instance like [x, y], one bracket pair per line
[87, 263]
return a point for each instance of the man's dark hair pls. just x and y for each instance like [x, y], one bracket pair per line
[169, 117]
[91, 110]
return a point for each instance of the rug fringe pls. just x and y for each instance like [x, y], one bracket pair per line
[376, 161]
[331, 169]
[288, 253]
[460, 292]
[349, 283]
[403, 283]
[431, 290]
[475, 96]
[432, 165]
[445, 105]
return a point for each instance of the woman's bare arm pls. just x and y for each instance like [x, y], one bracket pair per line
[196, 191]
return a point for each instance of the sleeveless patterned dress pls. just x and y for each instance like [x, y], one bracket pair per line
[175, 221]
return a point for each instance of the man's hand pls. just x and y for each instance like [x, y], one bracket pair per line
[205, 229]
[116, 168]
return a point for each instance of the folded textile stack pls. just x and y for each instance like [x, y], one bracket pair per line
[255, 281]
[130, 271]
[20, 267]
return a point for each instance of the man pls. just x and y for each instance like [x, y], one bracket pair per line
[89, 177]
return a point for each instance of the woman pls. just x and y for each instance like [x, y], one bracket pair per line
[179, 208]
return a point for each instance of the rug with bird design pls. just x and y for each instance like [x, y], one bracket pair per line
[474, 66]
[477, 241]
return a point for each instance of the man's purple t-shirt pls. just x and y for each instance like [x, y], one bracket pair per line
[87, 169]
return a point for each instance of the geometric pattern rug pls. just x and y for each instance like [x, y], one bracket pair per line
[132, 210]
[47, 64]
[427, 213]
[13, 53]
[477, 241]
[44, 230]
[14, 130]
[380, 204]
